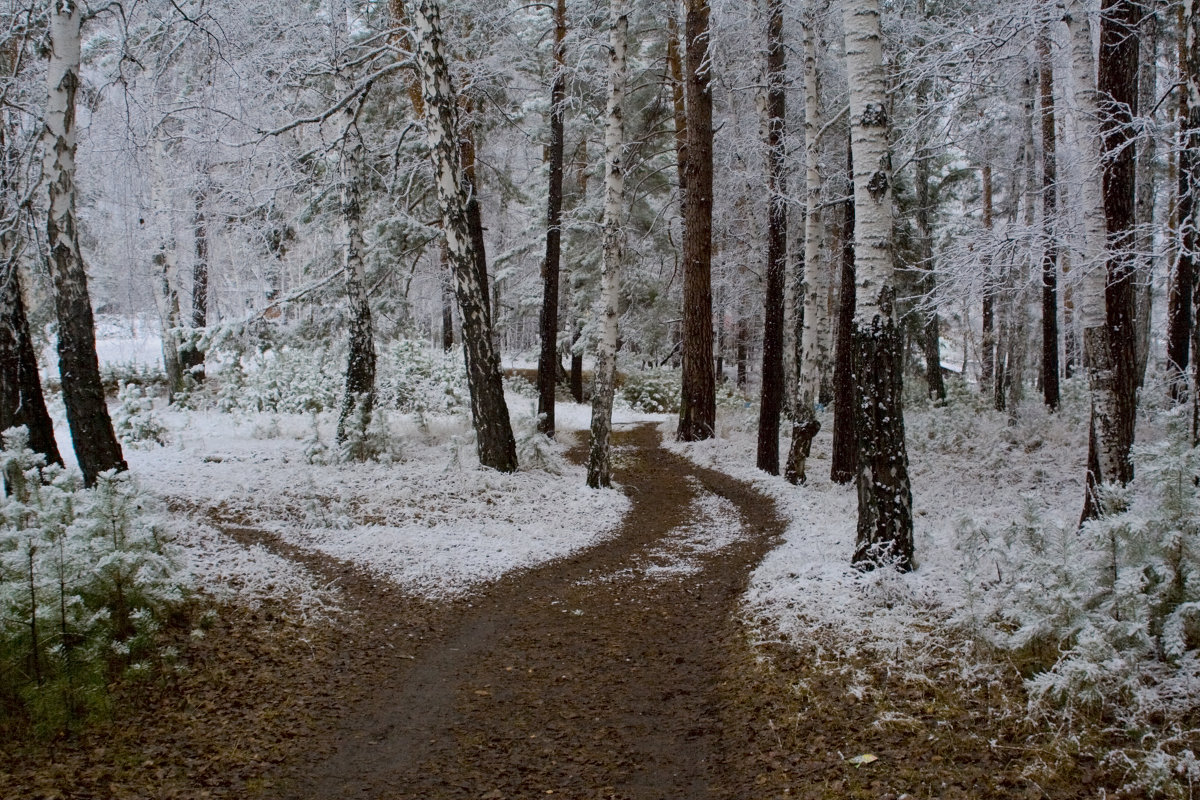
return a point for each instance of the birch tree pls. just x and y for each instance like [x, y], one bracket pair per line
[884, 495]
[95, 443]
[814, 342]
[599, 464]
[489, 411]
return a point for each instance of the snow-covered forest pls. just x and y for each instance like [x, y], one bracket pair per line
[811, 382]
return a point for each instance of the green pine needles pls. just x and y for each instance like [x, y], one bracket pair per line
[86, 584]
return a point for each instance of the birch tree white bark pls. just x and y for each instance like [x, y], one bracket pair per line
[599, 464]
[814, 343]
[884, 494]
[489, 411]
[95, 443]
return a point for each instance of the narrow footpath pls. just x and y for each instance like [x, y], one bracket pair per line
[598, 676]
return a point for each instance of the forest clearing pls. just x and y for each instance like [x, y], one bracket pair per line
[599, 398]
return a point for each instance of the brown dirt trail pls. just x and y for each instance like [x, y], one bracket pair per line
[588, 677]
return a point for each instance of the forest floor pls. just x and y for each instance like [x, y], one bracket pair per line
[621, 671]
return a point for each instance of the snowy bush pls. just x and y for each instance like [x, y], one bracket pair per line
[86, 582]
[655, 391]
[413, 378]
[1105, 619]
[134, 419]
[372, 441]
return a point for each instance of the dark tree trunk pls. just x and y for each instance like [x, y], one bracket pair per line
[489, 411]
[1050, 384]
[1189, 182]
[698, 401]
[931, 335]
[475, 213]
[678, 105]
[987, 341]
[21, 398]
[1117, 84]
[576, 369]
[548, 322]
[191, 355]
[771, 399]
[741, 351]
[844, 460]
[96, 446]
[447, 309]
[884, 496]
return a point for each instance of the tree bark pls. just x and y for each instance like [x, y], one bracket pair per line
[884, 496]
[771, 397]
[844, 459]
[1189, 183]
[489, 411]
[1180, 317]
[987, 341]
[191, 354]
[358, 398]
[599, 464]
[96, 446]
[1050, 381]
[698, 401]
[814, 353]
[21, 398]
[548, 362]
[1111, 343]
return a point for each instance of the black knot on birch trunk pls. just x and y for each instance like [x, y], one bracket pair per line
[874, 115]
[878, 185]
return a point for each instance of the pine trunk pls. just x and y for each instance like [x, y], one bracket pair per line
[1050, 382]
[548, 362]
[844, 459]
[771, 398]
[21, 398]
[96, 446]
[1111, 343]
[884, 496]
[698, 401]
[493, 430]
[987, 341]
[1181, 313]
[599, 464]
[1189, 183]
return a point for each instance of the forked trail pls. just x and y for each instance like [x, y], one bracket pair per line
[598, 676]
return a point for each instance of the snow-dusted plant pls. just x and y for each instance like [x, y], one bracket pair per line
[86, 581]
[373, 441]
[413, 378]
[135, 420]
[535, 450]
[1105, 619]
[653, 391]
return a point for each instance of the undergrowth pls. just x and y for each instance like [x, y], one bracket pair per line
[86, 583]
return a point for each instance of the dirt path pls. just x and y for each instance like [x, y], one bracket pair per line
[597, 676]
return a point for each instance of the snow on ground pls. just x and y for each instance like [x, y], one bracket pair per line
[432, 520]
[985, 468]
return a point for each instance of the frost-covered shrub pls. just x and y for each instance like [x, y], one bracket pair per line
[520, 386]
[1105, 619]
[134, 420]
[287, 380]
[655, 391]
[370, 442]
[414, 378]
[535, 450]
[86, 581]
